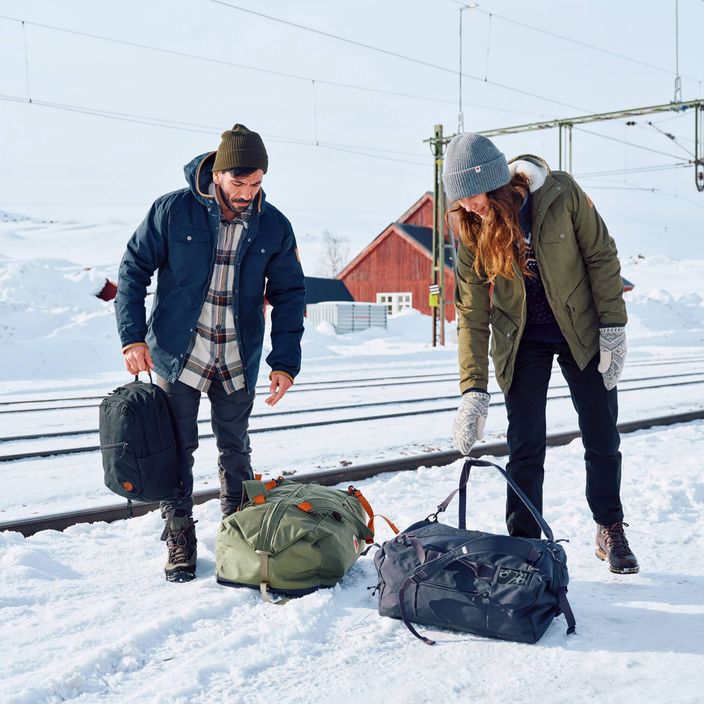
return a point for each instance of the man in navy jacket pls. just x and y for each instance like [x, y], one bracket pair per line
[219, 248]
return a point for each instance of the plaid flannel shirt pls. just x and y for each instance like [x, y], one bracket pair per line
[213, 352]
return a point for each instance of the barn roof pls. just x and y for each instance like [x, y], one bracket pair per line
[424, 237]
[319, 289]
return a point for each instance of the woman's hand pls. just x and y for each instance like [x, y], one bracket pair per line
[470, 420]
[612, 354]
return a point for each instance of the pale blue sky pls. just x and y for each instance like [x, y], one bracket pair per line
[65, 164]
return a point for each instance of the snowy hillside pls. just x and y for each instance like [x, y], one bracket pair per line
[46, 305]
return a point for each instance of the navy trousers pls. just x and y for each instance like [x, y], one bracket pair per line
[229, 415]
[597, 411]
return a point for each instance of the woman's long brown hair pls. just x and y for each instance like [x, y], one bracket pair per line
[497, 239]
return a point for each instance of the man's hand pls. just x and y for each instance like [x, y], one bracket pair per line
[280, 384]
[138, 359]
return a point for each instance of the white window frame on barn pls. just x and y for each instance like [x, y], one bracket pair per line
[395, 302]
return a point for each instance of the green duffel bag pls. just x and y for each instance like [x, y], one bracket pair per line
[290, 538]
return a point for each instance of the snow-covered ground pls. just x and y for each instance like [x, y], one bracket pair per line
[87, 614]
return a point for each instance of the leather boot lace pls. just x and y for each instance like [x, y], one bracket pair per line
[615, 539]
[180, 544]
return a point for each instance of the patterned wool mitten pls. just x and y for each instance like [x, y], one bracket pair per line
[470, 420]
[612, 349]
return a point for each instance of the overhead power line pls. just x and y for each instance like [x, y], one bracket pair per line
[634, 170]
[626, 142]
[388, 52]
[246, 67]
[577, 42]
[360, 150]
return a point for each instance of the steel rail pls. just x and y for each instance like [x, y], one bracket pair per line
[35, 454]
[116, 512]
[394, 381]
[357, 384]
[326, 409]
[258, 386]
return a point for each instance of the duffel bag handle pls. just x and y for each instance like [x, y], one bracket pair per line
[462, 490]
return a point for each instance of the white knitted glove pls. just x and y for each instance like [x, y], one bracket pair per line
[612, 354]
[470, 420]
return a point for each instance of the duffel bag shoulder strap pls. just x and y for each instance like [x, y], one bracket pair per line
[462, 490]
[547, 531]
[427, 570]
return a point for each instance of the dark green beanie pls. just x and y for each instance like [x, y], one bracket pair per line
[241, 147]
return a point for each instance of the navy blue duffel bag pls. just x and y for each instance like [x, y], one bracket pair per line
[466, 580]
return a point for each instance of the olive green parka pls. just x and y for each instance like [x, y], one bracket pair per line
[579, 268]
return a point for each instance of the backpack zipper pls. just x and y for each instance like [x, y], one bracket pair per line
[112, 445]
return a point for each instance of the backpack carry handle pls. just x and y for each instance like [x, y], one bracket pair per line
[151, 381]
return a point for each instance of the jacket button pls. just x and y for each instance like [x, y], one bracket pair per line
[562, 235]
[189, 238]
[263, 251]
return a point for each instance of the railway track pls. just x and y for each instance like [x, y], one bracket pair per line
[56, 452]
[308, 386]
[327, 409]
[116, 512]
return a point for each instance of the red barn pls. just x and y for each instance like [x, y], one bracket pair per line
[395, 268]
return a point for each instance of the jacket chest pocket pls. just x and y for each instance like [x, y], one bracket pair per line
[189, 254]
[558, 236]
[185, 235]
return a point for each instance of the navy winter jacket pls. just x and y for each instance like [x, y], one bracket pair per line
[178, 238]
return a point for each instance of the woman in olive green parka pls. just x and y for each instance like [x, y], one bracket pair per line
[538, 277]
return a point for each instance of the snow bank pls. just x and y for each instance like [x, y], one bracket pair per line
[47, 307]
[52, 323]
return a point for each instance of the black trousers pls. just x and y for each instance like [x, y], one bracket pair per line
[597, 411]
[229, 415]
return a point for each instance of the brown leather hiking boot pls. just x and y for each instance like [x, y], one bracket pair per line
[180, 536]
[611, 545]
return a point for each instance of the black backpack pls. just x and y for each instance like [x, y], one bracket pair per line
[467, 580]
[137, 443]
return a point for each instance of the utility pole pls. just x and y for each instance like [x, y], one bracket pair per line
[436, 290]
[460, 114]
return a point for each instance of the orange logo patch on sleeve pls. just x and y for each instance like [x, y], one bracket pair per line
[298, 256]
[589, 200]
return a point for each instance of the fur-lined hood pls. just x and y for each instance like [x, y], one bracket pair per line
[535, 169]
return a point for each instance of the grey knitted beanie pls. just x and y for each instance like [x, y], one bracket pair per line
[473, 165]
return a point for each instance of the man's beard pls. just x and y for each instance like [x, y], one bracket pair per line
[239, 206]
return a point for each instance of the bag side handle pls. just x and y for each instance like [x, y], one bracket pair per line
[370, 512]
